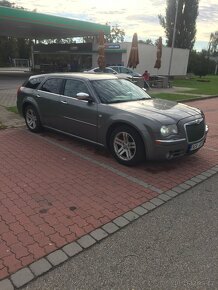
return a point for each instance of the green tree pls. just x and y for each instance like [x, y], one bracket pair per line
[186, 22]
[199, 63]
[116, 34]
[213, 44]
[11, 47]
[147, 41]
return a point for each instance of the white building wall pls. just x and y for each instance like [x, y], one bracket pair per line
[147, 58]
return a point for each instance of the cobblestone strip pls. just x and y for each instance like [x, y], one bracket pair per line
[56, 258]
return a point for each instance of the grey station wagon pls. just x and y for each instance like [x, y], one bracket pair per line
[113, 113]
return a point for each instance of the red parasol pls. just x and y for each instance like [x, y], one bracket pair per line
[134, 54]
[101, 47]
[159, 54]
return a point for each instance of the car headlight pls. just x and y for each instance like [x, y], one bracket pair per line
[168, 130]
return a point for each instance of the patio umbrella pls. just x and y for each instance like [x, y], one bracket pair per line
[101, 56]
[159, 54]
[134, 53]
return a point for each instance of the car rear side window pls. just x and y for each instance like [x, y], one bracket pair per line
[53, 85]
[33, 83]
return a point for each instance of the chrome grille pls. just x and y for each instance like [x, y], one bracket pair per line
[195, 130]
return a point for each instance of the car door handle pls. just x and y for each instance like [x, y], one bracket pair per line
[38, 96]
[63, 101]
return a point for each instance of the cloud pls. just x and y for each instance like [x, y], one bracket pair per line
[133, 16]
[143, 18]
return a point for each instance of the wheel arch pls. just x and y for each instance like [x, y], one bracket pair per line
[30, 103]
[117, 124]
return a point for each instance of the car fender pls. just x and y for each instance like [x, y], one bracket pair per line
[30, 100]
[129, 120]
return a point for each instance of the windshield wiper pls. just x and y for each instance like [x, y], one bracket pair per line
[119, 101]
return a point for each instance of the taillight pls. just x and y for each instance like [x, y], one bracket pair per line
[18, 89]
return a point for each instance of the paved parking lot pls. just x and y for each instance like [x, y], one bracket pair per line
[55, 190]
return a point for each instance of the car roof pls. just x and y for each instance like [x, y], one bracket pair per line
[87, 76]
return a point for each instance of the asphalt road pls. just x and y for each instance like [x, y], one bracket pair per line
[173, 247]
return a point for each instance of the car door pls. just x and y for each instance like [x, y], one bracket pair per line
[78, 117]
[48, 99]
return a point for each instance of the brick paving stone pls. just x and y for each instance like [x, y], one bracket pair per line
[156, 201]
[6, 285]
[201, 177]
[178, 189]
[164, 197]
[57, 257]
[86, 241]
[148, 205]
[140, 210]
[190, 182]
[37, 207]
[99, 234]
[22, 277]
[158, 190]
[110, 228]
[171, 193]
[121, 221]
[211, 171]
[39, 267]
[131, 216]
[72, 249]
[184, 186]
[196, 179]
[207, 174]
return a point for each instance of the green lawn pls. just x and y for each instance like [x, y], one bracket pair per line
[12, 109]
[207, 85]
[173, 97]
[2, 126]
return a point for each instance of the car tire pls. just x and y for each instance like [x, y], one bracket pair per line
[32, 119]
[127, 146]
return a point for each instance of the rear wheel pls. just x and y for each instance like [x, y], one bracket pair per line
[126, 146]
[32, 119]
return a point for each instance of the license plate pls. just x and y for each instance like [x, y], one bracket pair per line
[196, 145]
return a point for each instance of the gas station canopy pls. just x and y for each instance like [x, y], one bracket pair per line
[24, 24]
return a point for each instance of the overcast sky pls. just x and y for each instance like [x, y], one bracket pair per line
[132, 16]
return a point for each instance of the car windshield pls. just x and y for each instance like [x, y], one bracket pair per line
[118, 90]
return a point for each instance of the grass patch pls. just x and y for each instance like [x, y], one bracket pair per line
[2, 126]
[204, 86]
[173, 97]
[12, 109]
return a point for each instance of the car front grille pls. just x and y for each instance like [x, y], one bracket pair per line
[195, 130]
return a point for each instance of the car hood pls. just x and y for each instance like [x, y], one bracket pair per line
[158, 109]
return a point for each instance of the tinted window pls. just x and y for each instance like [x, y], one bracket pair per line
[33, 83]
[52, 86]
[73, 87]
[117, 69]
[125, 70]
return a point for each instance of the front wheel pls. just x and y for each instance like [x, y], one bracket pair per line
[32, 119]
[126, 146]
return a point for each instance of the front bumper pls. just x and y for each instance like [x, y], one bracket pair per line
[169, 149]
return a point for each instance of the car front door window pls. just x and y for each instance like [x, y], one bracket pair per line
[73, 87]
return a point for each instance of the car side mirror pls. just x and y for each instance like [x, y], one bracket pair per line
[84, 97]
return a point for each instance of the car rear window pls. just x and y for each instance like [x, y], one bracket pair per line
[33, 83]
[52, 85]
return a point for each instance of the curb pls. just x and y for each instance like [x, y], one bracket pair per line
[198, 99]
[58, 257]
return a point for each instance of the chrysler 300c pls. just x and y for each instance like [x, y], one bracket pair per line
[113, 113]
